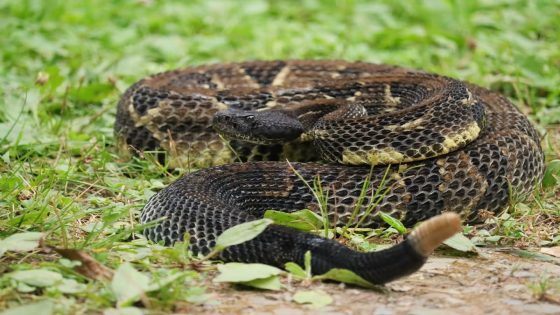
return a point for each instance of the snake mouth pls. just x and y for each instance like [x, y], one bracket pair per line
[266, 127]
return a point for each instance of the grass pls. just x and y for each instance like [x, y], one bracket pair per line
[63, 65]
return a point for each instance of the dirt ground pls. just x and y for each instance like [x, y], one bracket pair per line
[492, 283]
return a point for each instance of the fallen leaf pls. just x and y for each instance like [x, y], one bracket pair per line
[461, 243]
[315, 298]
[37, 277]
[40, 308]
[70, 286]
[346, 276]
[20, 242]
[270, 283]
[295, 270]
[123, 311]
[552, 251]
[305, 220]
[239, 272]
[241, 233]
[89, 267]
[128, 284]
[531, 255]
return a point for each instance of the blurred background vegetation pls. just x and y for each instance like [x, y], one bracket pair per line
[92, 50]
[63, 65]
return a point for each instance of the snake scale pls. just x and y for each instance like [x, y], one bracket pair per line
[411, 143]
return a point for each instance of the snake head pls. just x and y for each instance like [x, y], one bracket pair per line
[260, 127]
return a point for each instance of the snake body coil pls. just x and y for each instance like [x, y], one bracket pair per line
[411, 143]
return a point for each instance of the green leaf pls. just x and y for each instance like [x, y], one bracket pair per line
[532, 255]
[393, 222]
[70, 286]
[295, 270]
[305, 220]
[551, 174]
[91, 93]
[165, 281]
[493, 238]
[241, 233]
[239, 272]
[128, 284]
[197, 295]
[37, 277]
[39, 308]
[24, 288]
[307, 262]
[299, 272]
[123, 311]
[21, 242]
[315, 298]
[460, 243]
[270, 283]
[346, 276]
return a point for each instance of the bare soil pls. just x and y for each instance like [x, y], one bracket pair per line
[493, 282]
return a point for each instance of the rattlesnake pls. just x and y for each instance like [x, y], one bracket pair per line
[413, 144]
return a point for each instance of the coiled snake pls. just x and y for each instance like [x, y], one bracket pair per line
[430, 144]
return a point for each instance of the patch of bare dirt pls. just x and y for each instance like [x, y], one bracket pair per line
[492, 283]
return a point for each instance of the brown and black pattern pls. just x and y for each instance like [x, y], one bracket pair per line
[431, 144]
